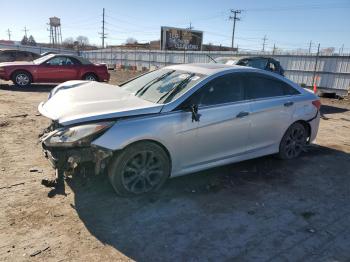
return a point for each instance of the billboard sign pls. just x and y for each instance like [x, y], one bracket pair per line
[181, 39]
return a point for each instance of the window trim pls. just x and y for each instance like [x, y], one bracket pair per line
[182, 105]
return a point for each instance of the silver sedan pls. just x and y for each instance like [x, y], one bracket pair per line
[174, 121]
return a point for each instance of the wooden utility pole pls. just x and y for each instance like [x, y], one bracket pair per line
[264, 43]
[25, 31]
[9, 33]
[103, 34]
[234, 18]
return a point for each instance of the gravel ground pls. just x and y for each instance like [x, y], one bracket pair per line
[258, 210]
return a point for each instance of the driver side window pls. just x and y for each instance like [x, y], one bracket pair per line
[224, 89]
[60, 61]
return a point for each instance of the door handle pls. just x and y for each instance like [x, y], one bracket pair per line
[242, 114]
[290, 103]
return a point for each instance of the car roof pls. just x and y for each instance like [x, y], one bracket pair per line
[244, 57]
[208, 68]
[83, 60]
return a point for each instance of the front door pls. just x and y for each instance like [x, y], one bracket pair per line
[223, 127]
[57, 69]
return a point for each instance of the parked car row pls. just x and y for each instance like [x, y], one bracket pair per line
[53, 68]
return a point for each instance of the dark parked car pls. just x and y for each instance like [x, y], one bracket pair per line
[10, 55]
[53, 69]
[260, 62]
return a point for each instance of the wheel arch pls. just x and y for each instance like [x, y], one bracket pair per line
[306, 125]
[90, 73]
[21, 70]
[149, 141]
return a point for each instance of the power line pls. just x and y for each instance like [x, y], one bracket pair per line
[234, 18]
[299, 7]
[264, 43]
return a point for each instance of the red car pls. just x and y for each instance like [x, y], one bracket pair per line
[53, 69]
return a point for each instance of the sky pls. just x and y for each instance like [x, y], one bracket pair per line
[286, 24]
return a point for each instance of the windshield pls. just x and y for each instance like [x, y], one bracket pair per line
[42, 59]
[163, 85]
[226, 60]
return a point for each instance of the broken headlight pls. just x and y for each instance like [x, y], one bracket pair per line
[76, 136]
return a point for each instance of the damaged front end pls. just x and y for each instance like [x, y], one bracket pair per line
[69, 148]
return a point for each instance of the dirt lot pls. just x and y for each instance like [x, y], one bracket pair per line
[259, 210]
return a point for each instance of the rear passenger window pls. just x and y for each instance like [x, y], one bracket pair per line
[288, 90]
[264, 87]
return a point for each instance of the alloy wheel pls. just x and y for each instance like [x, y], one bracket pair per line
[142, 172]
[22, 79]
[294, 142]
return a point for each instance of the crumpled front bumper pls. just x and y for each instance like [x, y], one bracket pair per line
[68, 159]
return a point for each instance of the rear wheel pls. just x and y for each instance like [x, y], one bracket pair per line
[293, 142]
[22, 79]
[140, 168]
[90, 77]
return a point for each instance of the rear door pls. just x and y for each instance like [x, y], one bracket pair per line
[223, 127]
[271, 109]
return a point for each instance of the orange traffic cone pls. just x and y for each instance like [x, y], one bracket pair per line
[315, 87]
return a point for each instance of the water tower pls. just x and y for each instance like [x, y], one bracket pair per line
[55, 31]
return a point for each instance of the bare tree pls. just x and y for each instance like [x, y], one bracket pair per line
[31, 41]
[68, 42]
[24, 40]
[82, 41]
[328, 51]
[131, 40]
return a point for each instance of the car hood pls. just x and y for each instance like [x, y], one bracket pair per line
[82, 101]
[19, 63]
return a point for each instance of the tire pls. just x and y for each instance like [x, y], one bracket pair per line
[140, 168]
[293, 142]
[90, 77]
[22, 79]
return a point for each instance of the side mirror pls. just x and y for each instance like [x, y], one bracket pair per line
[195, 115]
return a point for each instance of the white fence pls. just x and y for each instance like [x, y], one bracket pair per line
[331, 73]
[38, 49]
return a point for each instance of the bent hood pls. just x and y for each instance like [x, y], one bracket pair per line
[82, 101]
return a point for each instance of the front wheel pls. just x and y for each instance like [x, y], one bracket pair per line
[140, 168]
[90, 77]
[22, 79]
[293, 142]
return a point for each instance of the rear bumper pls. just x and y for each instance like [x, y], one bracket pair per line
[105, 77]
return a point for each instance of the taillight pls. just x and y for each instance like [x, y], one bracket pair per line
[317, 104]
